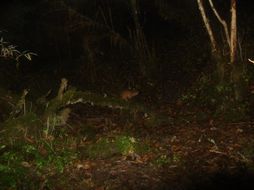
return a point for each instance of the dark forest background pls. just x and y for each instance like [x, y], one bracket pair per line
[125, 94]
[90, 43]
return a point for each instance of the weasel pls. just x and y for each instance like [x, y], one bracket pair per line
[128, 94]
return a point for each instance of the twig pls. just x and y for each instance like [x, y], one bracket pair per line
[217, 152]
[250, 60]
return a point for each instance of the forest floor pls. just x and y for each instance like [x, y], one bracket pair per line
[102, 148]
[178, 155]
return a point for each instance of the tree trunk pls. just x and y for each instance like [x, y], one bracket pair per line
[233, 36]
[207, 25]
[237, 70]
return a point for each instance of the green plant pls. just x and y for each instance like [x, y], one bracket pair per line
[26, 154]
[164, 160]
[126, 145]
[120, 145]
[21, 161]
[9, 51]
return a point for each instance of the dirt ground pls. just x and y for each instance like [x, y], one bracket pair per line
[187, 155]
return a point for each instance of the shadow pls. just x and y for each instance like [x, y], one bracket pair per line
[242, 180]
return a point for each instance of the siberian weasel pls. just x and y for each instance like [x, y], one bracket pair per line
[128, 94]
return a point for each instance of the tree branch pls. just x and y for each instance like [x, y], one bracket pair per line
[207, 25]
[223, 22]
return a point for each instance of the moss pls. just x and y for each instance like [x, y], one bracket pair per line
[120, 145]
[101, 149]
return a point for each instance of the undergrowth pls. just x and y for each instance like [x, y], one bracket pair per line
[37, 144]
[217, 100]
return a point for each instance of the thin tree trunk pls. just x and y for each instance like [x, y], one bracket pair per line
[237, 70]
[233, 36]
[223, 22]
[207, 25]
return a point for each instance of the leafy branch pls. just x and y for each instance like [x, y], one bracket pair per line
[9, 51]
